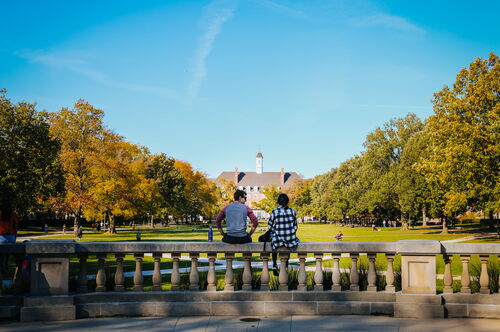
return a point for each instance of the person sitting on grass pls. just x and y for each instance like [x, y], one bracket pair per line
[283, 225]
[339, 236]
[236, 214]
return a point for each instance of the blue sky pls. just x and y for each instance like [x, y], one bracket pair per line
[214, 82]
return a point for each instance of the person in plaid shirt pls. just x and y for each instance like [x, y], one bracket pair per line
[283, 225]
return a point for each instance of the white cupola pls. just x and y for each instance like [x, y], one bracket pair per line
[259, 163]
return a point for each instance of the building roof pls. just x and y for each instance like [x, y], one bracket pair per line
[259, 155]
[263, 179]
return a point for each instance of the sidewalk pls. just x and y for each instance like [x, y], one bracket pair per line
[280, 324]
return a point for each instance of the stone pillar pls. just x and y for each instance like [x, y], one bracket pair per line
[465, 275]
[211, 279]
[119, 277]
[484, 279]
[229, 277]
[157, 271]
[336, 277]
[138, 278]
[389, 277]
[82, 275]
[418, 274]
[100, 278]
[354, 276]
[247, 271]
[318, 273]
[448, 277]
[372, 274]
[194, 277]
[264, 277]
[302, 273]
[175, 279]
[283, 277]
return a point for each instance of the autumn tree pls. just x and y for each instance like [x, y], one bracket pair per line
[30, 170]
[79, 131]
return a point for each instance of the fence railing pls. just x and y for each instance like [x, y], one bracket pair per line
[51, 269]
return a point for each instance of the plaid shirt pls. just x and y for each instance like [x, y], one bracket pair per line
[283, 223]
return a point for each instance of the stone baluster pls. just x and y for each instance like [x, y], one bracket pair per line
[354, 276]
[447, 278]
[229, 277]
[484, 279]
[465, 275]
[82, 275]
[318, 273]
[283, 276]
[157, 271]
[18, 274]
[175, 279]
[211, 279]
[372, 274]
[247, 271]
[138, 278]
[194, 277]
[264, 277]
[100, 278]
[336, 276]
[389, 277]
[302, 273]
[119, 277]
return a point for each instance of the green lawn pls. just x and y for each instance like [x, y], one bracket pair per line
[306, 233]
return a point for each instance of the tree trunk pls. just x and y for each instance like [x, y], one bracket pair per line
[424, 216]
[76, 222]
[112, 228]
[445, 226]
[152, 221]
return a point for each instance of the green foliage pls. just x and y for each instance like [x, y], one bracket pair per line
[270, 201]
[30, 171]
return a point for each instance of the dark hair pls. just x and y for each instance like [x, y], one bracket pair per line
[239, 193]
[283, 199]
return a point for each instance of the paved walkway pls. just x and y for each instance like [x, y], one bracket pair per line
[280, 324]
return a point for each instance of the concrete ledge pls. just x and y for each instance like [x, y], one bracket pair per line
[475, 298]
[10, 312]
[344, 308]
[418, 310]
[46, 313]
[38, 301]
[418, 298]
[456, 310]
[344, 296]
[238, 308]
[290, 308]
[483, 311]
[183, 309]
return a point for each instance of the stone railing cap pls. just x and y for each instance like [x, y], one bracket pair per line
[45, 247]
[418, 247]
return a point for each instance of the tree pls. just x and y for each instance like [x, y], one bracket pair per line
[30, 170]
[80, 131]
[464, 149]
[169, 182]
[300, 197]
[270, 200]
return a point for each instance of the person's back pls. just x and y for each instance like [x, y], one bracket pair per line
[236, 219]
[8, 224]
[236, 214]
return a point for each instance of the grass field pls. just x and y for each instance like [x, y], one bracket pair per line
[306, 233]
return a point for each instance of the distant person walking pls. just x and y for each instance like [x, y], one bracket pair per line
[283, 225]
[79, 233]
[64, 229]
[236, 214]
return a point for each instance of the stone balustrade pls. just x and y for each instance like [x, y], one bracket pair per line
[50, 272]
